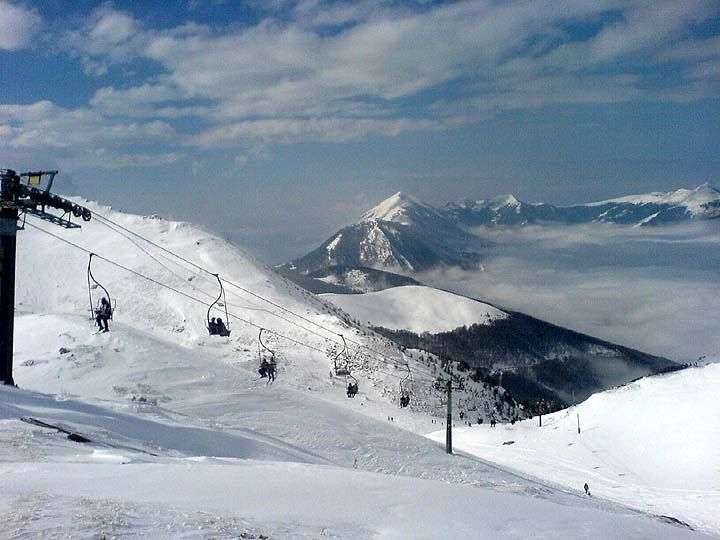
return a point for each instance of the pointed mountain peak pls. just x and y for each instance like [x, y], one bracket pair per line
[504, 201]
[394, 208]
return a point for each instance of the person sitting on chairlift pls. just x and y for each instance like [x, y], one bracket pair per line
[212, 327]
[271, 369]
[221, 329]
[103, 314]
[264, 369]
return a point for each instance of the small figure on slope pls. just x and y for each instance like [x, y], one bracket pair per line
[587, 489]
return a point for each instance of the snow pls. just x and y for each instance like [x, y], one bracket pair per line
[652, 445]
[333, 244]
[395, 208]
[416, 308]
[188, 442]
[692, 199]
[504, 201]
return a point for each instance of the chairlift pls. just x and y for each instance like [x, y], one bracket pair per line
[268, 367]
[94, 284]
[406, 388]
[352, 386]
[342, 370]
[218, 327]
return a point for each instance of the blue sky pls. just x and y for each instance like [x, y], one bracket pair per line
[276, 122]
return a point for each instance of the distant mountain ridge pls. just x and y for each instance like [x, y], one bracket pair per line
[405, 235]
[649, 209]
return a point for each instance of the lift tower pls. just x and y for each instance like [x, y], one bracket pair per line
[22, 194]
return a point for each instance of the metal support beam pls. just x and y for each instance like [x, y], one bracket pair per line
[16, 196]
[8, 246]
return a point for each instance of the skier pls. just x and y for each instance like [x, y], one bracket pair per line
[587, 489]
[212, 327]
[103, 314]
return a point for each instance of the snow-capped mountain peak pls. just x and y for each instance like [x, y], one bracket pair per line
[504, 201]
[695, 200]
[399, 208]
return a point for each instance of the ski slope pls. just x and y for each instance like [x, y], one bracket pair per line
[653, 445]
[187, 441]
[52, 488]
[416, 308]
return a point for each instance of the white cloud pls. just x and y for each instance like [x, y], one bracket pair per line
[18, 25]
[649, 289]
[83, 137]
[285, 79]
[297, 130]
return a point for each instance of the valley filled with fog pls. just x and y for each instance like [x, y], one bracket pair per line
[654, 289]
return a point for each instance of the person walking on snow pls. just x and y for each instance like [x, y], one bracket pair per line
[587, 489]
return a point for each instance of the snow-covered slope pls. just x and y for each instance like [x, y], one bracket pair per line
[416, 308]
[653, 444]
[55, 488]
[187, 441]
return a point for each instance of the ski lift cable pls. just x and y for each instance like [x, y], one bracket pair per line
[111, 223]
[240, 287]
[198, 300]
[197, 274]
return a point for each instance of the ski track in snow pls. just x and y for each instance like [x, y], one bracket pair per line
[233, 455]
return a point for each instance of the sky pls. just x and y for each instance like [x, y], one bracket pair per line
[273, 123]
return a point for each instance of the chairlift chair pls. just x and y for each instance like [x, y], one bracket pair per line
[406, 388]
[342, 370]
[212, 329]
[94, 284]
[352, 386]
[263, 351]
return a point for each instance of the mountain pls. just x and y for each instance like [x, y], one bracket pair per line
[163, 315]
[649, 209]
[346, 279]
[404, 235]
[157, 429]
[401, 234]
[533, 359]
[663, 409]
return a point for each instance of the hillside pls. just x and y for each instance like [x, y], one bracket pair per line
[536, 361]
[186, 440]
[417, 309]
[345, 279]
[650, 445]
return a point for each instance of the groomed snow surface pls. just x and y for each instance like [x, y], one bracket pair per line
[416, 308]
[652, 445]
[187, 442]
